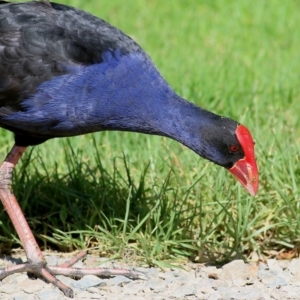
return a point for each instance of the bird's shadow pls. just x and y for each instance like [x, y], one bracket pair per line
[11, 259]
[84, 197]
[63, 208]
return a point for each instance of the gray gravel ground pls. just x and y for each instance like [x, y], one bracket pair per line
[236, 280]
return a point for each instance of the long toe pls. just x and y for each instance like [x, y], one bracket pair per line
[100, 272]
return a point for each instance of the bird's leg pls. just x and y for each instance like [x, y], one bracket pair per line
[36, 262]
[12, 207]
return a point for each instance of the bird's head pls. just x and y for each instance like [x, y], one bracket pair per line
[230, 145]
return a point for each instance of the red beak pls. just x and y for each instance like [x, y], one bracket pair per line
[245, 169]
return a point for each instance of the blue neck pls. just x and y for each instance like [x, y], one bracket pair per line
[133, 96]
[122, 93]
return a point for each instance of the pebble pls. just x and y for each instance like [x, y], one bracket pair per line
[21, 296]
[156, 285]
[9, 288]
[117, 281]
[50, 294]
[18, 278]
[236, 269]
[236, 280]
[52, 260]
[185, 290]
[87, 282]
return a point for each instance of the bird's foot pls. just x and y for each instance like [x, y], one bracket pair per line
[42, 270]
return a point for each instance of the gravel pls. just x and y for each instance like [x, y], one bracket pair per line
[235, 280]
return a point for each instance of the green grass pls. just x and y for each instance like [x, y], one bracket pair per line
[150, 199]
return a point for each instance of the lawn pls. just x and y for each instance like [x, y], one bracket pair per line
[148, 198]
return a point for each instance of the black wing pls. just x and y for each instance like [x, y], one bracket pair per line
[39, 41]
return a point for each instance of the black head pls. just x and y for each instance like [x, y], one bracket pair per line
[220, 143]
[230, 144]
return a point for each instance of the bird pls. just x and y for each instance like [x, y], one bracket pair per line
[65, 72]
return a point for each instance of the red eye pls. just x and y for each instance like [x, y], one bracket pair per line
[234, 148]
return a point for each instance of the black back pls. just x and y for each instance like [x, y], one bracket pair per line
[39, 41]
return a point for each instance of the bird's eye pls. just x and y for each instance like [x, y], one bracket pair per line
[234, 148]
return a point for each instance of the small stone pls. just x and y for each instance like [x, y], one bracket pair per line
[239, 282]
[52, 260]
[66, 280]
[294, 267]
[286, 275]
[117, 280]
[185, 291]
[278, 294]
[16, 278]
[277, 282]
[146, 290]
[88, 296]
[169, 278]
[20, 296]
[253, 269]
[32, 286]
[264, 274]
[156, 285]
[265, 296]
[262, 266]
[213, 276]
[135, 288]
[205, 272]
[9, 288]
[221, 283]
[116, 289]
[273, 265]
[258, 284]
[93, 290]
[204, 286]
[283, 263]
[292, 292]
[87, 282]
[215, 296]
[244, 293]
[152, 272]
[202, 282]
[235, 269]
[50, 294]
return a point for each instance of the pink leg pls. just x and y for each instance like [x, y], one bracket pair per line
[36, 262]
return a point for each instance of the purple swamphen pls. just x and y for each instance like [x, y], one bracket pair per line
[64, 72]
